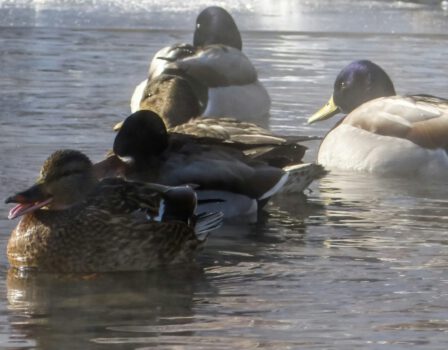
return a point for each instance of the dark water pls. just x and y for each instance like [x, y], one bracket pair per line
[361, 263]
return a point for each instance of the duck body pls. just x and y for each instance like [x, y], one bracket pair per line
[176, 102]
[157, 68]
[231, 80]
[216, 61]
[384, 133]
[91, 238]
[398, 138]
[228, 77]
[117, 226]
[180, 102]
[145, 151]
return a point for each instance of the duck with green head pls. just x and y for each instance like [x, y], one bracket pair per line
[383, 133]
[71, 222]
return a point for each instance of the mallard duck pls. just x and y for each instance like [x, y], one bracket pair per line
[173, 98]
[242, 175]
[74, 223]
[216, 62]
[383, 133]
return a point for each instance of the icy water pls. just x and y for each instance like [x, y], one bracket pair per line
[361, 263]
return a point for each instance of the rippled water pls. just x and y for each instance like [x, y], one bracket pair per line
[361, 263]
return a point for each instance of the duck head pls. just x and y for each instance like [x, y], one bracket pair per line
[65, 179]
[142, 135]
[357, 83]
[214, 25]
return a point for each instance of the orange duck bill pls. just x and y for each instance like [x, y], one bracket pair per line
[28, 201]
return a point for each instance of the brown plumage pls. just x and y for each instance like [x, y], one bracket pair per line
[176, 99]
[173, 98]
[73, 223]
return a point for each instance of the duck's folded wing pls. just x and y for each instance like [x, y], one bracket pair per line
[217, 66]
[421, 119]
[221, 170]
[225, 128]
[232, 129]
[166, 55]
[120, 196]
[158, 201]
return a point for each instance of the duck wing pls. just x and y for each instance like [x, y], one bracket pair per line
[254, 141]
[169, 54]
[422, 119]
[232, 129]
[216, 66]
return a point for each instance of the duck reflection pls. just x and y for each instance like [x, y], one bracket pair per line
[383, 207]
[74, 310]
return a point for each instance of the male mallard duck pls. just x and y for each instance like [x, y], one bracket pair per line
[74, 223]
[383, 133]
[216, 62]
[145, 151]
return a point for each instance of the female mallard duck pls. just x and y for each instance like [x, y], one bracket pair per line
[145, 151]
[216, 62]
[74, 223]
[383, 133]
[173, 98]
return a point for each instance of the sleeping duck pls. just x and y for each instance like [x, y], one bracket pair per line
[383, 133]
[71, 222]
[242, 176]
[175, 100]
[216, 62]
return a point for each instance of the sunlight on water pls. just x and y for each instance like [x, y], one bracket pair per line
[266, 15]
[360, 262]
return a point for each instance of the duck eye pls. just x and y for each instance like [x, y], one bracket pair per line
[198, 25]
[343, 86]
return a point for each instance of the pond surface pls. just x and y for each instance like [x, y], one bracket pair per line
[360, 263]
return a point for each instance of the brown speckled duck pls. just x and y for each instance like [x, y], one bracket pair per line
[71, 222]
[175, 99]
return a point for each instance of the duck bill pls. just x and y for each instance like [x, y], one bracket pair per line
[28, 201]
[326, 112]
[118, 126]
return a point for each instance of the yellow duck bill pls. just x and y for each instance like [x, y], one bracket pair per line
[326, 112]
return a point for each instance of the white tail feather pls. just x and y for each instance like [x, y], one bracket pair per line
[301, 176]
[276, 188]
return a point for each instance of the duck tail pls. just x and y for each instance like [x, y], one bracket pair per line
[300, 176]
[207, 222]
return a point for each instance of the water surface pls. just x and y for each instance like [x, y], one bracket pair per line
[359, 264]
